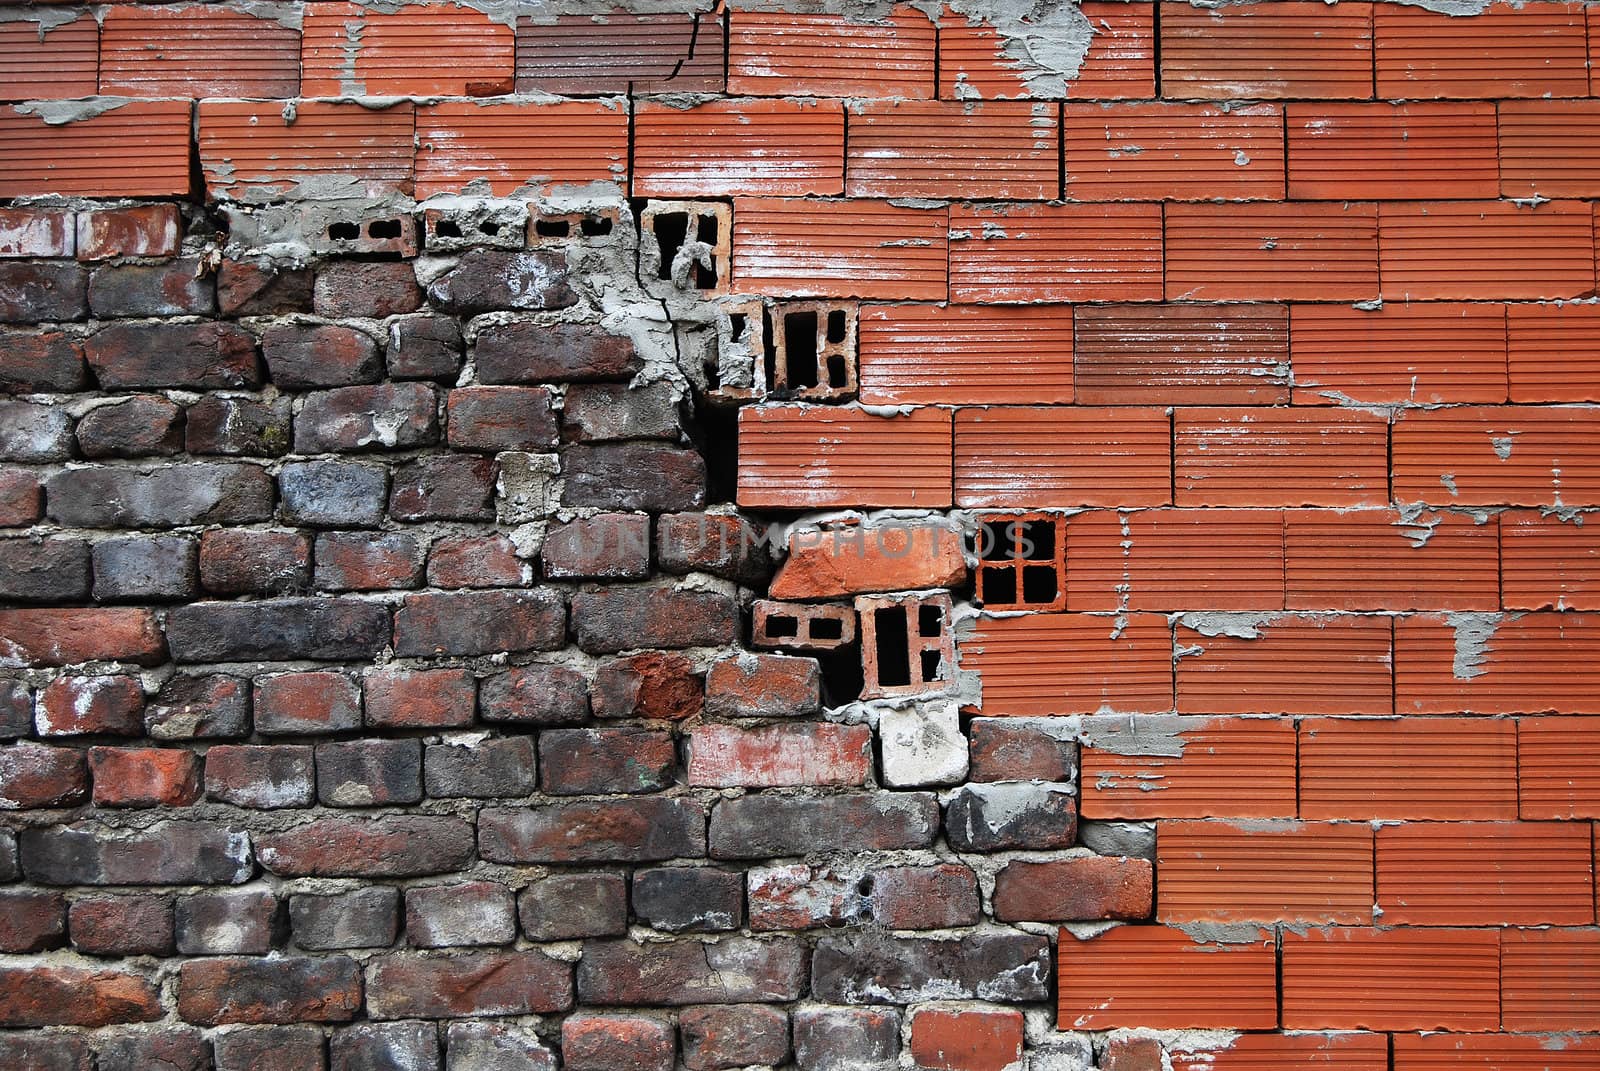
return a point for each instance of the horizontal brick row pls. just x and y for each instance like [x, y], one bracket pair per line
[1335, 979]
[1413, 770]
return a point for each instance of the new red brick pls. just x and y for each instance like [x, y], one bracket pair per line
[1392, 151]
[724, 147]
[1449, 769]
[138, 149]
[1497, 664]
[1191, 768]
[822, 456]
[1027, 457]
[1558, 768]
[867, 249]
[1486, 250]
[1172, 559]
[1382, 560]
[420, 50]
[1550, 979]
[1182, 354]
[251, 150]
[947, 149]
[1549, 148]
[1284, 665]
[1493, 1052]
[1173, 152]
[1553, 352]
[1422, 979]
[1506, 50]
[517, 144]
[965, 354]
[1269, 252]
[203, 51]
[1547, 563]
[1297, 50]
[577, 55]
[1280, 457]
[1055, 252]
[1421, 354]
[771, 54]
[1497, 456]
[1055, 664]
[1485, 874]
[49, 63]
[977, 61]
[1292, 871]
[1151, 976]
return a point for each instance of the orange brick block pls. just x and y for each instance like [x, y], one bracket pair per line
[1274, 1052]
[823, 457]
[966, 1040]
[1029, 253]
[1485, 874]
[1175, 559]
[1553, 353]
[1498, 456]
[1297, 50]
[1056, 664]
[1451, 769]
[1182, 354]
[1550, 148]
[1186, 767]
[512, 146]
[965, 354]
[1272, 252]
[912, 148]
[1498, 664]
[1509, 50]
[49, 64]
[1495, 1052]
[1550, 979]
[865, 249]
[1486, 250]
[140, 149]
[1547, 563]
[1297, 872]
[1177, 152]
[1038, 457]
[1280, 457]
[974, 60]
[422, 49]
[1383, 560]
[204, 51]
[1558, 768]
[1422, 354]
[772, 54]
[723, 147]
[250, 150]
[1392, 151]
[1262, 664]
[1344, 979]
[1151, 976]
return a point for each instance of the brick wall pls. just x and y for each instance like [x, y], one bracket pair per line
[613, 540]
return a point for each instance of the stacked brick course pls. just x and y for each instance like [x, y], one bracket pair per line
[1175, 653]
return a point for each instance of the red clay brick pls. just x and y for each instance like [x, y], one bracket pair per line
[1120, 63]
[1026, 457]
[819, 456]
[1280, 457]
[948, 149]
[1392, 151]
[576, 55]
[1422, 979]
[1497, 456]
[851, 559]
[1292, 871]
[420, 50]
[1382, 560]
[140, 149]
[866, 249]
[1430, 54]
[1297, 50]
[1175, 559]
[249, 149]
[724, 147]
[1193, 768]
[1553, 353]
[512, 145]
[1284, 665]
[1549, 148]
[144, 776]
[772, 54]
[1450, 769]
[1493, 1052]
[1155, 977]
[49, 64]
[1558, 768]
[1547, 563]
[1497, 664]
[1055, 252]
[1422, 354]
[1270, 252]
[1176, 152]
[1485, 874]
[782, 755]
[1550, 979]
[1264, 1052]
[966, 1040]
[1486, 250]
[204, 51]
[965, 354]
[1182, 354]
[1054, 664]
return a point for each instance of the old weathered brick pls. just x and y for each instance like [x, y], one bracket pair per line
[170, 853]
[32, 920]
[44, 570]
[388, 416]
[643, 829]
[798, 753]
[382, 1046]
[32, 431]
[37, 361]
[368, 561]
[16, 710]
[262, 288]
[874, 968]
[474, 561]
[487, 280]
[479, 769]
[609, 412]
[319, 701]
[500, 418]
[424, 346]
[199, 706]
[652, 684]
[768, 825]
[99, 496]
[564, 907]
[333, 492]
[263, 777]
[50, 637]
[32, 291]
[122, 925]
[172, 288]
[367, 917]
[144, 776]
[369, 773]
[254, 562]
[495, 1047]
[176, 1049]
[372, 288]
[730, 970]
[468, 913]
[229, 922]
[577, 762]
[72, 996]
[419, 698]
[620, 619]
[195, 356]
[633, 476]
[287, 990]
[763, 686]
[1074, 890]
[846, 1039]
[277, 629]
[146, 568]
[463, 985]
[526, 352]
[21, 497]
[479, 622]
[138, 426]
[74, 706]
[719, 1037]
[269, 1048]
[452, 487]
[302, 355]
[1010, 749]
[604, 1042]
[682, 899]
[608, 546]
[387, 846]
[36, 232]
[720, 544]
[997, 817]
[797, 896]
[45, 1052]
[134, 231]
[925, 897]
[238, 426]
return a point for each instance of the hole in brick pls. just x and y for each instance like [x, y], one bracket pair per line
[894, 647]
[554, 228]
[997, 585]
[827, 628]
[1038, 543]
[489, 227]
[447, 228]
[706, 278]
[781, 626]
[930, 621]
[864, 886]
[1039, 584]
[799, 349]
[595, 226]
[931, 664]
[838, 372]
[671, 230]
[841, 669]
[344, 231]
[994, 541]
[384, 228]
[836, 325]
[738, 324]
